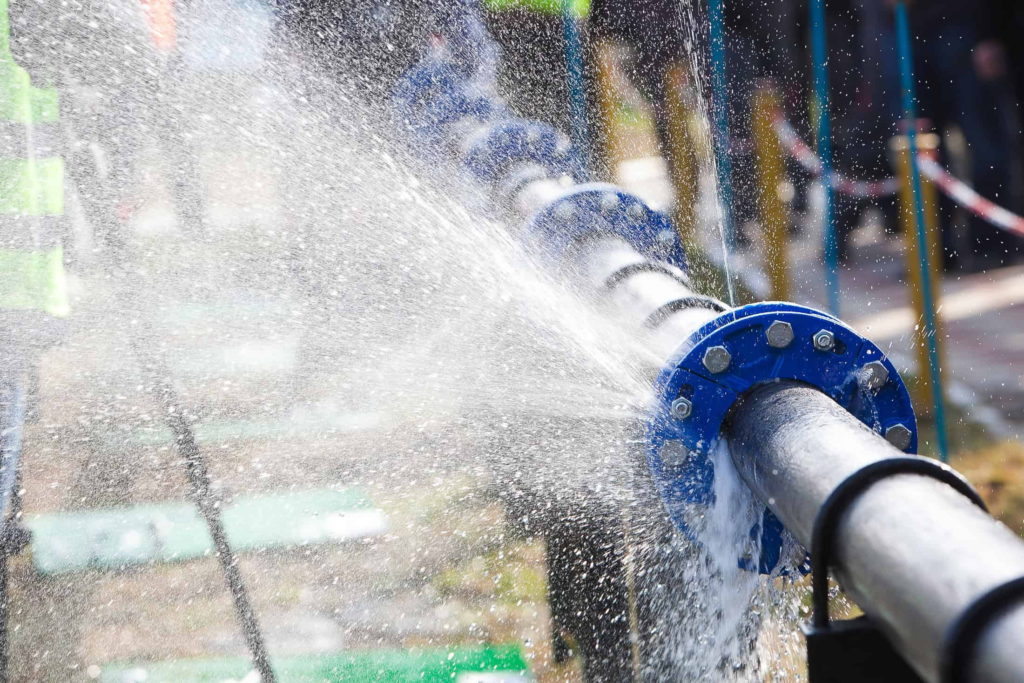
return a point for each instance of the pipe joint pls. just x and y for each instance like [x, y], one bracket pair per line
[852, 371]
[592, 209]
[498, 147]
[447, 111]
[433, 96]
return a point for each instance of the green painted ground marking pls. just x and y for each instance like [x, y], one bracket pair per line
[235, 335]
[499, 664]
[33, 280]
[219, 432]
[252, 356]
[113, 538]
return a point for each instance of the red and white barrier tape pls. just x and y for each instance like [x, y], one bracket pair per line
[962, 194]
[955, 189]
[805, 156]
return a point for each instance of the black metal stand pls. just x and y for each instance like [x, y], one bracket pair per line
[13, 537]
[155, 366]
[202, 493]
[854, 651]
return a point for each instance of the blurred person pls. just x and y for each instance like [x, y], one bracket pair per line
[34, 297]
[373, 44]
[96, 56]
[117, 67]
[1000, 53]
[959, 82]
[1001, 56]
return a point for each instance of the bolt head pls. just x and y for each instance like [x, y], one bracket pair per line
[779, 334]
[899, 436]
[565, 210]
[674, 453]
[717, 359]
[682, 408]
[609, 202]
[635, 211]
[874, 375]
[824, 340]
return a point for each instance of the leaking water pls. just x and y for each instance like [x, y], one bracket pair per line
[337, 313]
[695, 41]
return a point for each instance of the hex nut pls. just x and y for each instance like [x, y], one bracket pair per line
[717, 359]
[565, 210]
[779, 334]
[874, 375]
[824, 340]
[674, 454]
[899, 436]
[609, 202]
[682, 408]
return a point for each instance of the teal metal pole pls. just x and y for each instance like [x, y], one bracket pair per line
[577, 87]
[819, 52]
[720, 103]
[910, 116]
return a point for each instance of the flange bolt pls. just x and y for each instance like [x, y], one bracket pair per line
[899, 436]
[682, 408]
[824, 340]
[717, 359]
[874, 375]
[779, 334]
[609, 202]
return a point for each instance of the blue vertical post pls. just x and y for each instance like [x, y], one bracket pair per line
[577, 87]
[910, 116]
[720, 103]
[819, 54]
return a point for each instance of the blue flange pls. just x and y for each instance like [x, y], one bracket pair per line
[600, 207]
[434, 94]
[739, 354]
[503, 144]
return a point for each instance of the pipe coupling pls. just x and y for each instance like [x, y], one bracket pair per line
[740, 350]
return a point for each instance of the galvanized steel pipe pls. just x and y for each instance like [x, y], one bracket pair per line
[911, 551]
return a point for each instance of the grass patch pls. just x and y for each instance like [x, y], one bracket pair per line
[997, 471]
[512, 575]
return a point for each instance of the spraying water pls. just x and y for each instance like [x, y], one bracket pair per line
[297, 267]
[708, 74]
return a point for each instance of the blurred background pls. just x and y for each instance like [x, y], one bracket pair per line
[228, 284]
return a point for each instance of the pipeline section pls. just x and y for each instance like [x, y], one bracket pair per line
[803, 400]
[911, 551]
